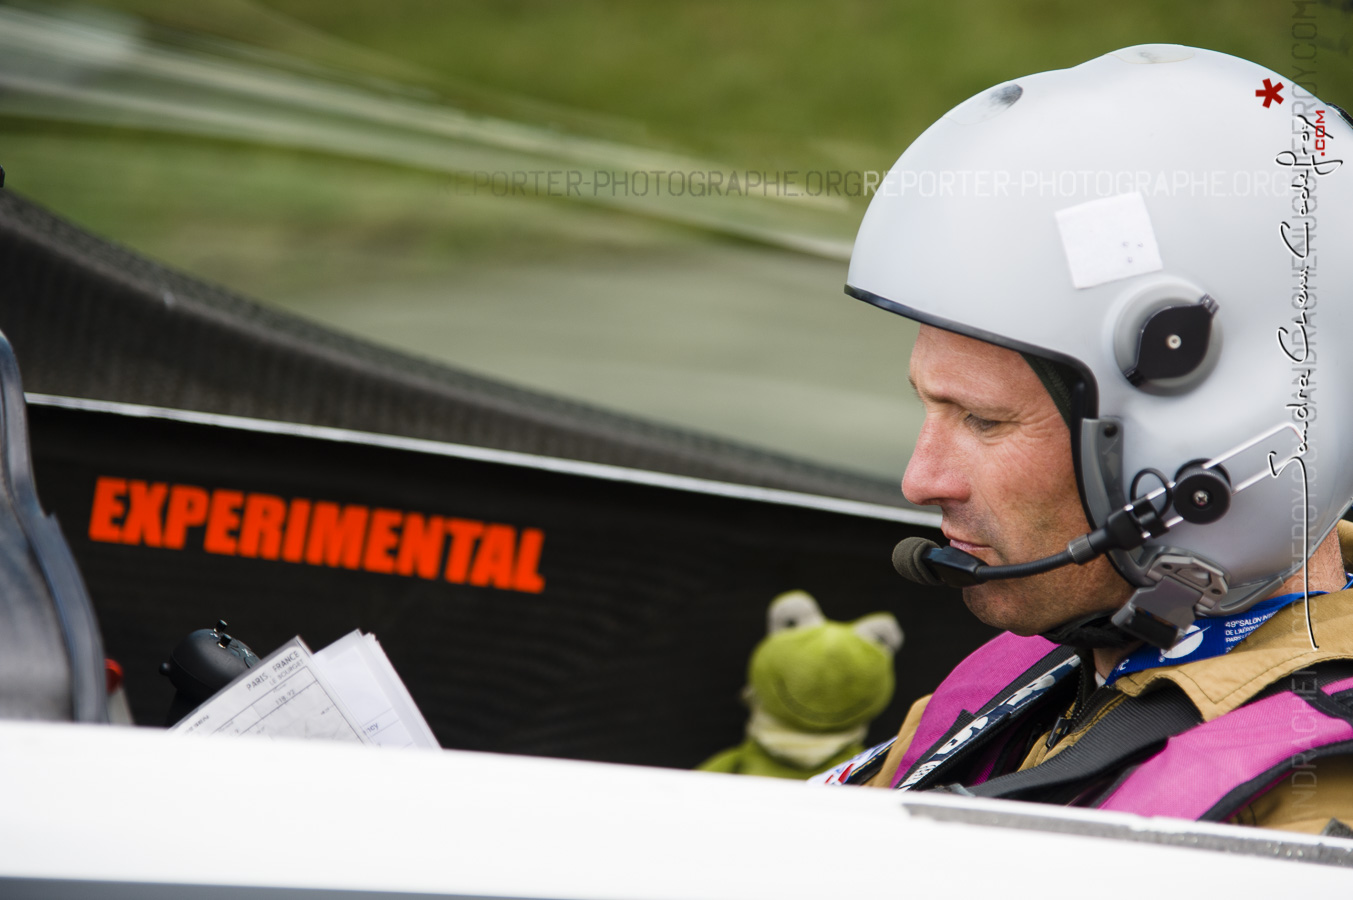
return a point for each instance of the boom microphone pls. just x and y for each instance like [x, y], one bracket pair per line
[909, 561]
[926, 562]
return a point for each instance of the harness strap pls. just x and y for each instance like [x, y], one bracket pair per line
[970, 732]
[1192, 770]
[1210, 772]
[1135, 728]
[1334, 698]
[976, 685]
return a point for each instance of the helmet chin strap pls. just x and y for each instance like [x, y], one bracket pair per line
[1095, 631]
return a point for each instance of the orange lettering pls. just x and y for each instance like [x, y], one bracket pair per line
[222, 522]
[528, 561]
[108, 493]
[352, 536]
[493, 562]
[380, 540]
[336, 535]
[420, 545]
[145, 505]
[187, 507]
[298, 517]
[463, 534]
[261, 526]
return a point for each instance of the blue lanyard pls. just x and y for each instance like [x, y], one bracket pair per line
[1207, 637]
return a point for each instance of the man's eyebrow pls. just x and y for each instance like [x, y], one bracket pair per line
[941, 397]
[997, 410]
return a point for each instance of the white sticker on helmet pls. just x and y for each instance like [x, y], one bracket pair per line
[1108, 239]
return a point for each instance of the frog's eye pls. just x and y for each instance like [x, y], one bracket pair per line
[882, 629]
[795, 609]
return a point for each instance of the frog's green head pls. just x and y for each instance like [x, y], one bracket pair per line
[818, 675]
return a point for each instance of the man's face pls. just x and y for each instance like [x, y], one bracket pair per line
[995, 456]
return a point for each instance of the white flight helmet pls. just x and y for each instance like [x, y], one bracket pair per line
[1174, 225]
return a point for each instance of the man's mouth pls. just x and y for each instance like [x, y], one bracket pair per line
[967, 546]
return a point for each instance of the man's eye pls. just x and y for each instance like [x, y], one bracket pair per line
[978, 423]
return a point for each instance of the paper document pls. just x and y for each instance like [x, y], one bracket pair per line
[348, 691]
[284, 696]
[362, 674]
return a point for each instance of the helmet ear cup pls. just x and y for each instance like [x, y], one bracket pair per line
[1168, 337]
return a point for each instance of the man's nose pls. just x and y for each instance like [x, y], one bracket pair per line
[934, 475]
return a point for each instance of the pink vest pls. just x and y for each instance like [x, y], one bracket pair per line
[1206, 772]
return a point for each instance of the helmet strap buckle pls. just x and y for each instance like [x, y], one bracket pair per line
[1160, 613]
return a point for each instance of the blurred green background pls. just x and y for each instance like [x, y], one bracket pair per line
[321, 157]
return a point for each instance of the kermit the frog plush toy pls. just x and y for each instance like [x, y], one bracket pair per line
[813, 687]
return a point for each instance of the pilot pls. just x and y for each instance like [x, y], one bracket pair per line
[1131, 279]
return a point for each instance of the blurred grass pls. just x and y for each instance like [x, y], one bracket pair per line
[788, 83]
[792, 82]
